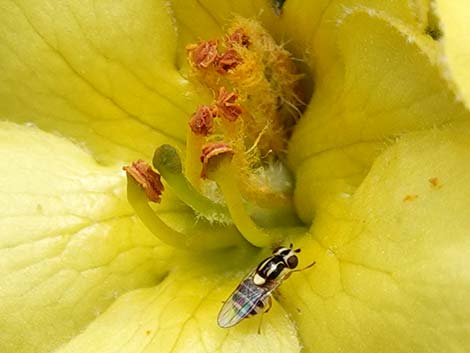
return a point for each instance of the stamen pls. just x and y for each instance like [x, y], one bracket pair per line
[192, 165]
[227, 104]
[210, 152]
[168, 163]
[219, 169]
[148, 180]
[203, 54]
[202, 121]
[228, 61]
[240, 37]
[201, 236]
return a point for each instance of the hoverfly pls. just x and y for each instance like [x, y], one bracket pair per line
[253, 294]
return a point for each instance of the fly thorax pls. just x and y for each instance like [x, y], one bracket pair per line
[271, 268]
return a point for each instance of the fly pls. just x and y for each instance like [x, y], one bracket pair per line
[253, 294]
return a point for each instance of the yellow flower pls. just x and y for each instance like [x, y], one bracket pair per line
[381, 158]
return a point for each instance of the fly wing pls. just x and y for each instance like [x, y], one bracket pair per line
[243, 300]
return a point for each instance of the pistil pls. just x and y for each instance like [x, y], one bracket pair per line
[168, 163]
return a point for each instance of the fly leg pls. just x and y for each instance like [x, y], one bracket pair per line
[270, 304]
[268, 307]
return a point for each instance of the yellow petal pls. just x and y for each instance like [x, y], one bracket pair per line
[387, 83]
[208, 19]
[107, 73]
[455, 17]
[69, 242]
[393, 267]
[309, 26]
[179, 315]
[99, 72]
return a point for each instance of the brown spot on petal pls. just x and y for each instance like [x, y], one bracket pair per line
[213, 150]
[202, 121]
[239, 37]
[228, 61]
[227, 105]
[410, 198]
[203, 54]
[435, 183]
[147, 178]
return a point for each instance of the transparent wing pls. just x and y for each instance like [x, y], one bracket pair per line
[243, 300]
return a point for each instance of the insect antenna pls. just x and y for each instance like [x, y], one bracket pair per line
[304, 268]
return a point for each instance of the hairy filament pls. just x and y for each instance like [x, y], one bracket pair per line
[224, 176]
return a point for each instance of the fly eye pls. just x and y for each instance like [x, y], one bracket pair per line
[292, 262]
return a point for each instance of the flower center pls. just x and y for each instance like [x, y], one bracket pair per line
[234, 172]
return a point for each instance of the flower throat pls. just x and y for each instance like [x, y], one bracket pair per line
[234, 173]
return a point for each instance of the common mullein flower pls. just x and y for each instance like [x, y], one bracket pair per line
[368, 173]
